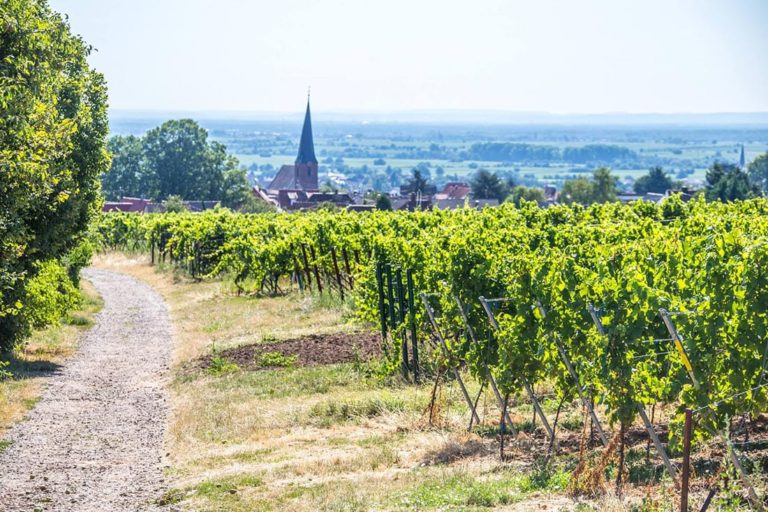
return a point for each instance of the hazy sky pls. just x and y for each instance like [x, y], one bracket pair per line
[582, 56]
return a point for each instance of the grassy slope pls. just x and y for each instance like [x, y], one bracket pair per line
[45, 350]
[336, 437]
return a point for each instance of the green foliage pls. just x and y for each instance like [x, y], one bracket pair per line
[522, 193]
[53, 127]
[726, 182]
[176, 159]
[487, 185]
[758, 172]
[221, 365]
[174, 204]
[383, 202]
[418, 181]
[576, 191]
[600, 189]
[655, 181]
[704, 261]
[277, 359]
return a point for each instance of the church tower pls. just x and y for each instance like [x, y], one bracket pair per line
[302, 175]
[306, 163]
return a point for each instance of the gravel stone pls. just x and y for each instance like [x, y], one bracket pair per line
[96, 437]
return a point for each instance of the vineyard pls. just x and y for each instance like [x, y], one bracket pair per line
[619, 307]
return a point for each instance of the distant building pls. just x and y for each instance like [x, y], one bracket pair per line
[302, 175]
[454, 190]
[127, 204]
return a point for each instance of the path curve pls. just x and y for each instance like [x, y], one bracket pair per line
[95, 441]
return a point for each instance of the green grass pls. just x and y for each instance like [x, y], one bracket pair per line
[297, 381]
[277, 359]
[225, 492]
[4, 444]
[463, 491]
[384, 403]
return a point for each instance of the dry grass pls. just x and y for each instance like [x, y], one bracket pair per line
[330, 437]
[42, 354]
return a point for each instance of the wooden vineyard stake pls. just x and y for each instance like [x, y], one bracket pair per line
[306, 266]
[338, 274]
[491, 380]
[314, 267]
[297, 271]
[412, 321]
[390, 296]
[640, 409]
[686, 461]
[401, 319]
[382, 306]
[677, 339]
[436, 331]
[152, 250]
[347, 269]
[582, 392]
[528, 388]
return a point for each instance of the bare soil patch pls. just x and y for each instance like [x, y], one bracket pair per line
[310, 350]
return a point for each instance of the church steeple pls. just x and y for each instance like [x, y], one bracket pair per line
[306, 145]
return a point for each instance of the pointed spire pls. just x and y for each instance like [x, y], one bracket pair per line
[742, 161]
[306, 145]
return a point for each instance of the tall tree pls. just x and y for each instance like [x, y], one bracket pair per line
[125, 177]
[655, 181]
[727, 182]
[180, 160]
[580, 190]
[53, 128]
[522, 193]
[487, 185]
[758, 172]
[176, 159]
[603, 186]
[418, 182]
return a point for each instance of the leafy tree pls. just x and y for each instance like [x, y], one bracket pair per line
[758, 171]
[726, 182]
[255, 204]
[175, 159]
[180, 161]
[53, 128]
[579, 191]
[487, 185]
[522, 193]
[418, 182]
[600, 189]
[655, 181]
[383, 202]
[603, 186]
[174, 204]
[125, 178]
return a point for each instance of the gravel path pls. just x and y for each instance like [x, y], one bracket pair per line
[95, 441]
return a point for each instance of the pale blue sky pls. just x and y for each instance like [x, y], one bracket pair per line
[585, 56]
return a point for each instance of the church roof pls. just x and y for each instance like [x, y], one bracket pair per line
[306, 145]
[285, 179]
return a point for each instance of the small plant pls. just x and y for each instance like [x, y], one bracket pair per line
[221, 365]
[277, 359]
[4, 374]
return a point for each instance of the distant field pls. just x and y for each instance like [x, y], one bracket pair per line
[461, 169]
[687, 148]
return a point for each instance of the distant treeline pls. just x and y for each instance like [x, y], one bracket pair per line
[506, 152]
[519, 152]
